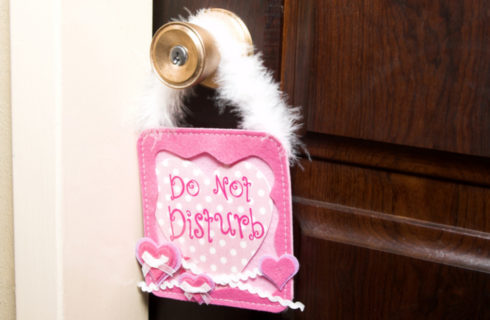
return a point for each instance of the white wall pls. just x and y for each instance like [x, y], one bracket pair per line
[7, 293]
[77, 67]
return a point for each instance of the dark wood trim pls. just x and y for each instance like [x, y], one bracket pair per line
[404, 236]
[410, 73]
[298, 35]
[417, 161]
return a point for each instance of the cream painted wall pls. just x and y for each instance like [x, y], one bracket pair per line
[76, 71]
[7, 285]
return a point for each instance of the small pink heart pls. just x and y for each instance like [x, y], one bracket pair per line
[196, 283]
[196, 286]
[158, 261]
[279, 271]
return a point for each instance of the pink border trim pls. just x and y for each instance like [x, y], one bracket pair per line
[188, 143]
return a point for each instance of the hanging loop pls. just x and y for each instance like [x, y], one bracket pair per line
[213, 47]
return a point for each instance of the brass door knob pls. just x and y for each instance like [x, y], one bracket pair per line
[184, 54]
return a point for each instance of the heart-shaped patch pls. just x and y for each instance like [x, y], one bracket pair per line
[279, 271]
[196, 283]
[158, 261]
[196, 287]
[217, 215]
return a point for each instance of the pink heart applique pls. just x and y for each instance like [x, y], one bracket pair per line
[235, 199]
[196, 287]
[279, 271]
[158, 261]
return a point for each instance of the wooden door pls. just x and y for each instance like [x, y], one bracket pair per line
[392, 213]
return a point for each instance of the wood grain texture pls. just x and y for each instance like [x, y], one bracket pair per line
[414, 73]
[413, 238]
[415, 161]
[348, 282]
[297, 50]
[438, 201]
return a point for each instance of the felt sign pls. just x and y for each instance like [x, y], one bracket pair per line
[217, 218]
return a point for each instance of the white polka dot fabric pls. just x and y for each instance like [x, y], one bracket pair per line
[219, 216]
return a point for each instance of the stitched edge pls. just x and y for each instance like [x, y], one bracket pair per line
[159, 132]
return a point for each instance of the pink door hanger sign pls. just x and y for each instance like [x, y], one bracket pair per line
[216, 203]
[217, 218]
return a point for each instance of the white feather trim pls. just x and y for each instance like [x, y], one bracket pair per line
[162, 106]
[244, 83]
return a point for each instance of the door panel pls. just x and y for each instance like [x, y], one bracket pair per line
[350, 282]
[391, 215]
[400, 194]
[392, 225]
[414, 73]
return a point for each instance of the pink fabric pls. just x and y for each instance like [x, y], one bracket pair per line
[198, 286]
[167, 250]
[279, 271]
[243, 157]
[236, 197]
[197, 281]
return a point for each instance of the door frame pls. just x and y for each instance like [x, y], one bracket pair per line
[77, 70]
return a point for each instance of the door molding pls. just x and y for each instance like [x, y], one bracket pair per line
[77, 68]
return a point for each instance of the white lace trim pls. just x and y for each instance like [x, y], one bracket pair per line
[224, 278]
[153, 287]
[238, 285]
[263, 294]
